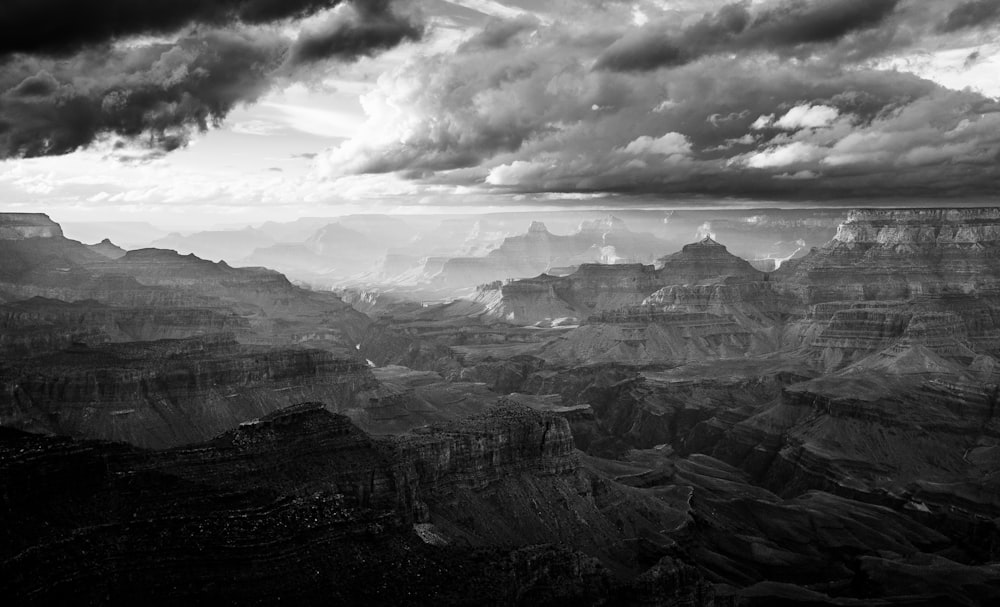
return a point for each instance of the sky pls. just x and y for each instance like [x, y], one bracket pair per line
[228, 112]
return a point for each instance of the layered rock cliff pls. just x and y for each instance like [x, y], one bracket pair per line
[279, 312]
[903, 428]
[20, 226]
[169, 392]
[300, 506]
[39, 325]
[706, 261]
[901, 254]
[600, 288]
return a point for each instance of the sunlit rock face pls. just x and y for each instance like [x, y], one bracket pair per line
[702, 303]
[921, 226]
[19, 226]
[848, 331]
[901, 254]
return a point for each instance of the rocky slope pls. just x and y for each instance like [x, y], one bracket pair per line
[706, 261]
[903, 428]
[838, 333]
[703, 303]
[302, 507]
[596, 288]
[46, 264]
[900, 254]
[169, 392]
[108, 249]
[39, 325]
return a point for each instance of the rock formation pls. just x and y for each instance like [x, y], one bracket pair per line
[605, 240]
[108, 249]
[900, 254]
[39, 325]
[706, 261]
[303, 507]
[169, 392]
[46, 264]
[20, 226]
[690, 432]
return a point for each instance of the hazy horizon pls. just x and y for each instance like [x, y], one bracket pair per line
[221, 117]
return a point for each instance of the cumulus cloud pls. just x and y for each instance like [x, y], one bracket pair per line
[516, 172]
[521, 117]
[807, 117]
[667, 145]
[66, 78]
[781, 156]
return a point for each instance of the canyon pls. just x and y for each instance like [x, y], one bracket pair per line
[618, 424]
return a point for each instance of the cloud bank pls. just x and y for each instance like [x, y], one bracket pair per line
[772, 100]
[74, 71]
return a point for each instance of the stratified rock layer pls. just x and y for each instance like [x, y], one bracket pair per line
[302, 507]
[19, 226]
[169, 392]
[900, 254]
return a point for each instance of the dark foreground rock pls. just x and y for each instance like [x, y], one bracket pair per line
[302, 507]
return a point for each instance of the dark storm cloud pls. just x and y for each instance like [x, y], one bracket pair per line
[64, 26]
[373, 27]
[157, 94]
[976, 13]
[41, 84]
[734, 28]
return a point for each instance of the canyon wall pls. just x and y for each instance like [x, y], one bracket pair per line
[169, 392]
[20, 226]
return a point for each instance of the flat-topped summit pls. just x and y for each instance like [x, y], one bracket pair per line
[901, 253]
[19, 226]
[920, 227]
